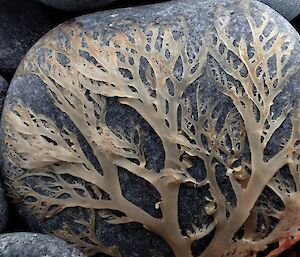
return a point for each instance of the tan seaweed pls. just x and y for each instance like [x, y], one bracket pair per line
[79, 87]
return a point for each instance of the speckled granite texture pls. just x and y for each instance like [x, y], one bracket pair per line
[35, 245]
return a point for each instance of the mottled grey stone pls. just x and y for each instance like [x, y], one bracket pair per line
[22, 24]
[288, 9]
[76, 5]
[3, 210]
[46, 198]
[3, 90]
[22, 244]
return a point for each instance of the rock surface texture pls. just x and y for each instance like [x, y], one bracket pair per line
[3, 203]
[164, 130]
[3, 210]
[3, 91]
[22, 24]
[76, 5]
[35, 245]
[288, 9]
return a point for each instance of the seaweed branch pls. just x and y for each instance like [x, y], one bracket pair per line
[149, 69]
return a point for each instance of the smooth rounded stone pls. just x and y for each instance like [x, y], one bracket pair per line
[21, 244]
[3, 91]
[3, 209]
[22, 24]
[162, 130]
[288, 9]
[76, 5]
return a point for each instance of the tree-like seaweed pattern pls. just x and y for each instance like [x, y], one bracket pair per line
[94, 69]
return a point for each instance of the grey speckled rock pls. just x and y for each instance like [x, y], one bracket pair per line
[3, 210]
[163, 130]
[76, 5]
[3, 90]
[35, 245]
[288, 9]
[22, 24]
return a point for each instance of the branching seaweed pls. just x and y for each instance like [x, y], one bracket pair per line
[149, 69]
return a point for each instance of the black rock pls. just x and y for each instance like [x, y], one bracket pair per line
[3, 90]
[3, 202]
[76, 5]
[162, 130]
[288, 9]
[35, 245]
[3, 210]
[22, 24]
